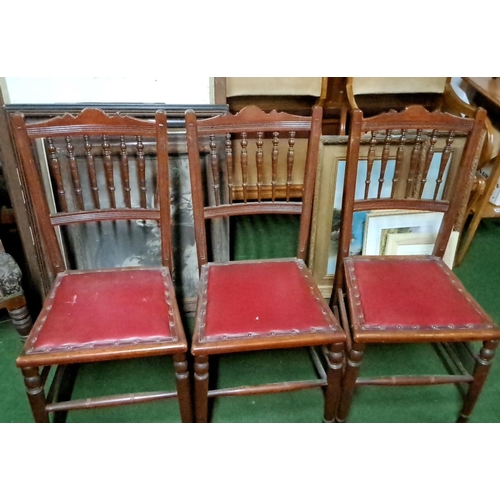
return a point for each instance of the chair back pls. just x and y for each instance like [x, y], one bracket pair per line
[252, 168]
[93, 176]
[413, 160]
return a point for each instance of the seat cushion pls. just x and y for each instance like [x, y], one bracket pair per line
[394, 293]
[260, 299]
[108, 307]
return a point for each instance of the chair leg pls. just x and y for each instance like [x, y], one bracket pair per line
[69, 374]
[36, 394]
[201, 388]
[183, 387]
[481, 370]
[335, 356]
[354, 358]
[467, 238]
[21, 320]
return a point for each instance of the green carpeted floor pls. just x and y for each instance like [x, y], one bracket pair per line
[480, 272]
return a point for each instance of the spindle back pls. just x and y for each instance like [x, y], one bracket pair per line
[95, 169]
[409, 161]
[253, 167]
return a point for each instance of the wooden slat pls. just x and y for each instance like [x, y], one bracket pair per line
[125, 172]
[108, 171]
[141, 172]
[416, 380]
[244, 164]
[444, 161]
[429, 155]
[55, 169]
[104, 214]
[369, 167]
[265, 207]
[92, 172]
[414, 162]
[274, 162]
[75, 176]
[267, 388]
[290, 158]
[108, 401]
[259, 161]
[384, 160]
[399, 162]
[229, 166]
[214, 164]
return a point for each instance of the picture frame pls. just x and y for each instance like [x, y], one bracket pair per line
[407, 243]
[380, 222]
[328, 201]
[400, 232]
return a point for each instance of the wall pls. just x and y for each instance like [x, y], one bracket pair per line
[169, 90]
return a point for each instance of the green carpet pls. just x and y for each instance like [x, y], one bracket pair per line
[480, 272]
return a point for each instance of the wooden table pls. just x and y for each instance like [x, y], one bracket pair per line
[485, 92]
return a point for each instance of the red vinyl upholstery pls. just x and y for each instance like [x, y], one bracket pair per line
[242, 300]
[101, 309]
[396, 292]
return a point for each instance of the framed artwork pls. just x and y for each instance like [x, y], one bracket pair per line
[408, 243]
[325, 228]
[381, 223]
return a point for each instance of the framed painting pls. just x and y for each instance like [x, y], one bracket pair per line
[405, 233]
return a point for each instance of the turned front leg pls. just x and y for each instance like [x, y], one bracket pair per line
[354, 360]
[183, 387]
[36, 394]
[481, 370]
[334, 356]
[201, 388]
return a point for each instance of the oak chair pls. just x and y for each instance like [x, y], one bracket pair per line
[413, 298]
[265, 304]
[89, 177]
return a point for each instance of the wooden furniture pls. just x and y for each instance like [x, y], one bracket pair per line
[267, 304]
[480, 207]
[98, 315]
[374, 95]
[377, 95]
[409, 299]
[483, 92]
[295, 95]
[36, 268]
[12, 295]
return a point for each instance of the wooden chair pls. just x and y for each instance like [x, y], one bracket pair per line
[295, 95]
[479, 207]
[12, 295]
[87, 175]
[410, 299]
[378, 95]
[266, 304]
